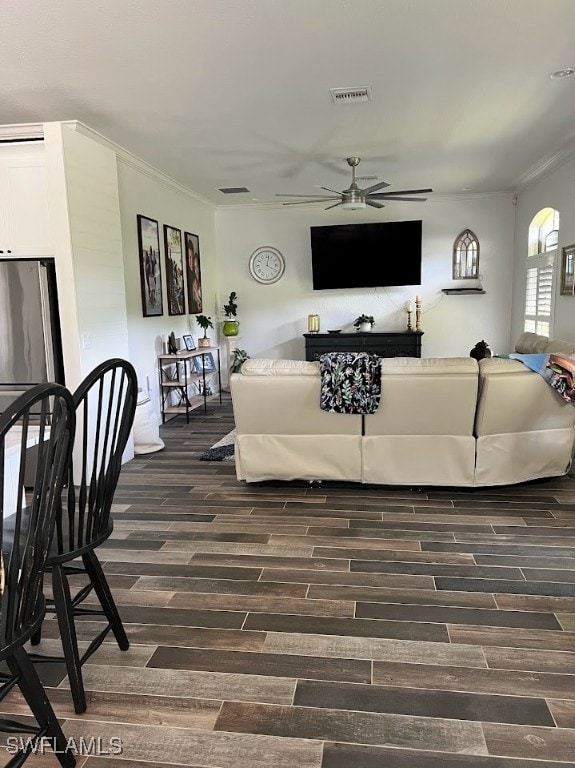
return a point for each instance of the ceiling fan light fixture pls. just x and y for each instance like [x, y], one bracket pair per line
[354, 205]
[353, 199]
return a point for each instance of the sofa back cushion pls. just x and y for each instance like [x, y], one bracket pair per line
[281, 397]
[257, 366]
[429, 396]
[532, 343]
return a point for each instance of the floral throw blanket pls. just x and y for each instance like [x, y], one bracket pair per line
[350, 382]
[557, 369]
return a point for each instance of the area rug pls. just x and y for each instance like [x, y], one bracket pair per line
[223, 450]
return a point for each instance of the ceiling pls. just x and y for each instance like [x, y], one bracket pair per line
[234, 93]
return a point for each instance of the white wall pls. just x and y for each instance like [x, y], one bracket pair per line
[557, 190]
[274, 317]
[96, 238]
[148, 192]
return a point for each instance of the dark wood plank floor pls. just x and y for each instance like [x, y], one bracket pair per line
[334, 627]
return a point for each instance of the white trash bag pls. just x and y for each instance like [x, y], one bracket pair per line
[146, 428]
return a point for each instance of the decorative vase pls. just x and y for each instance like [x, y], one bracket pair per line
[230, 328]
[204, 341]
[313, 323]
[364, 327]
[480, 350]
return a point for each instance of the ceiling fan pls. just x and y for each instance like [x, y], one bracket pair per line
[354, 198]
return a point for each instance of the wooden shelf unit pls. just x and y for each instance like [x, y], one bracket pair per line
[462, 291]
[179, 377]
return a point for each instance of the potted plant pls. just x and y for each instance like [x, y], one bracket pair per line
[231, 326]
[364, 323]
[204, 322]
[239, 357]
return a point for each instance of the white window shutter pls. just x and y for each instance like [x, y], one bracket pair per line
[539, 295]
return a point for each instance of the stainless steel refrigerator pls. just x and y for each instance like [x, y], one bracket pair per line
[30, 341]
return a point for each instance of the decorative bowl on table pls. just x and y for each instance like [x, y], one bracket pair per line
[336, 331]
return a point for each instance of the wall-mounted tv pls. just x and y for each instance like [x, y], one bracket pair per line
[366, 255]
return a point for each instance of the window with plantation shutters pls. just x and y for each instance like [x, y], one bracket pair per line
[538, 299]
[543, 239]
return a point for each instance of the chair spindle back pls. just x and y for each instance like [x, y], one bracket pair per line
[105, 406]
[30, 501]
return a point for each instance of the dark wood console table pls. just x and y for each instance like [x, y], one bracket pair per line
[392, 344]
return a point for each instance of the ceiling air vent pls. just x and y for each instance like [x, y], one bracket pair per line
[350, 95]
[366, 178]
[233, 190]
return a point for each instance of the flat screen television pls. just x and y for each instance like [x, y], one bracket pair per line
[366, 255]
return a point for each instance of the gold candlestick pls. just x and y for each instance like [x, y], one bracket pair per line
[409, 326]
[418, 313]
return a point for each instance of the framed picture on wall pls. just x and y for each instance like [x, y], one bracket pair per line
[193, 273]
[568, 270]
[150, 266]
[174, 270]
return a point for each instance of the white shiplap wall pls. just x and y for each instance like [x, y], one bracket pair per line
[86, 236]
[96, 241]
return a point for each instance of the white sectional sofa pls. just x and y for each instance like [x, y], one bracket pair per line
[440, 422]
[524, 429]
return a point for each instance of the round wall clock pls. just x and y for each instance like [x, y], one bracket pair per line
[267, 265]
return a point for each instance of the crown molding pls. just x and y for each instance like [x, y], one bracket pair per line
[137, 163]
[546, 166]
[277, 205]
[21, 131]
[464, 196]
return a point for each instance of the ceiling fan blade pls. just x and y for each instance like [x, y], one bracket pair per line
[334, 205]
[393, 197]
[329, 190]
[303, 202]
[375, 187]
[374, 203]
[402, 192]
[323, 197]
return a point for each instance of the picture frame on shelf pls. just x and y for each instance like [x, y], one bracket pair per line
[189, 342]
[204, 363]
[174, 270]
[150, 266]
[568, 270]
[193, 273]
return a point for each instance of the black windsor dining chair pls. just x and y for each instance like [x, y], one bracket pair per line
[29, 502]
[105, 405]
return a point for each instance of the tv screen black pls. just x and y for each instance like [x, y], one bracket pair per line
[366, 255]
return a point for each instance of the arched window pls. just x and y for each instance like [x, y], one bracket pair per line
[543, 231]
[541, 256]
[466, 256]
